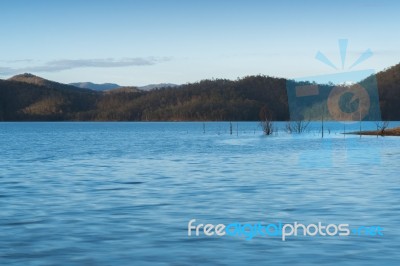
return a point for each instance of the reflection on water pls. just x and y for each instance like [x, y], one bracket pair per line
[123, 193]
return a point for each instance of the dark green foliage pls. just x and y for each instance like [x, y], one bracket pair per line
[389, 93]
[24, 101]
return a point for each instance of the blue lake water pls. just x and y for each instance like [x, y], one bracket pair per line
[123, 193]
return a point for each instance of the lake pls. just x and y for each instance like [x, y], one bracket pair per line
[124, 193]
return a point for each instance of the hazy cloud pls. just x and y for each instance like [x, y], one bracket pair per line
[17, 61]
[60, 65]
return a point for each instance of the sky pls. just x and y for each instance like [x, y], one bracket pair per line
[179, 41]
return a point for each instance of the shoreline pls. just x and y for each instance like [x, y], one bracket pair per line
[387, 132]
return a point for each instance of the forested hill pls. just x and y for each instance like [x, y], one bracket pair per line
[30, 98]
[389, 93]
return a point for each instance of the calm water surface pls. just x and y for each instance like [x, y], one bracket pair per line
[123, 193]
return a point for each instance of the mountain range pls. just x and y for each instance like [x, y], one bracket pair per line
[31, 98]
[110, 86]
[94, 86]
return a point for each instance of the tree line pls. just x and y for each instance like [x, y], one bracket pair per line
[250, 98]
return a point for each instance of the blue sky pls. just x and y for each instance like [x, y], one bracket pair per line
[177, 41]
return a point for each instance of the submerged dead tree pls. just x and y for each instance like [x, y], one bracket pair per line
[266, 121]
[298, 126]
[381, 126]
[267, 126]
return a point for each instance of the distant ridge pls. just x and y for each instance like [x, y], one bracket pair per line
[112, 86]
[96, 87]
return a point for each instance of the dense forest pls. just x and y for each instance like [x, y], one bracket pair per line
[30, 98]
